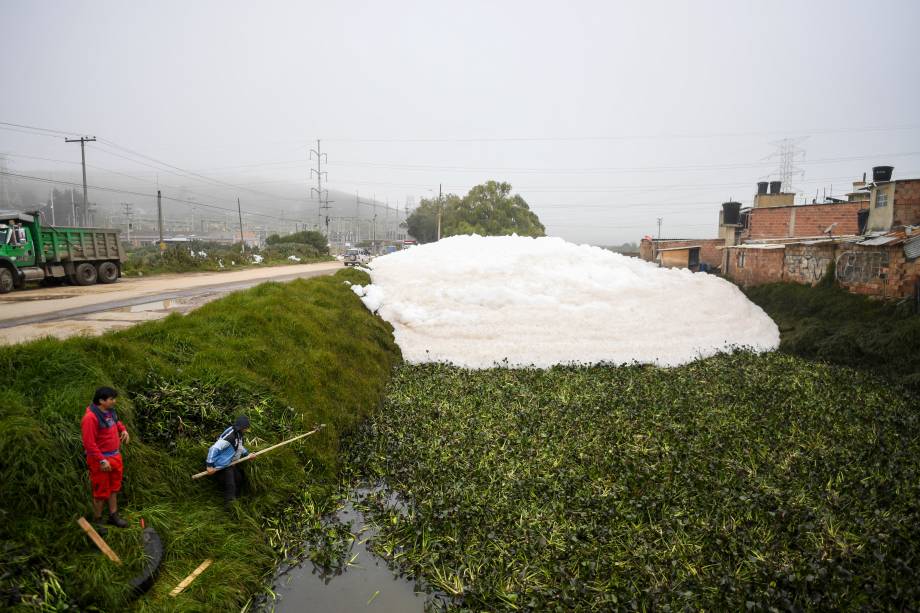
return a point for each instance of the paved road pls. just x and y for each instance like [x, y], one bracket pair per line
[66, 311]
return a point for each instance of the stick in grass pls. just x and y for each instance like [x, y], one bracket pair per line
[256, 454]
[101, 544]
[188, 580]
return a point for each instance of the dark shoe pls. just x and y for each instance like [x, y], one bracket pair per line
[97, 525]
[116, 521]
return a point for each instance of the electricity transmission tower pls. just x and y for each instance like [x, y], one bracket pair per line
[789, 152]
[322, 196]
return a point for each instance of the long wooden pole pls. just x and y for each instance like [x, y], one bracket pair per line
[253, 456]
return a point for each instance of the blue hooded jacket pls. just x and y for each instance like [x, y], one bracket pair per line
[228, 448]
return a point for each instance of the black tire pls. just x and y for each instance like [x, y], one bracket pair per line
[85, 274]
[6, 281]
[107, 272]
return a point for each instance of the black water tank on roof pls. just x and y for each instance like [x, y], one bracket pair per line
[882, 173]
[730, 212]
[762, 187]
[776, 187]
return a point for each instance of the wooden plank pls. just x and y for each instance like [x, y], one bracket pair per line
[101, 544]
[188, 580]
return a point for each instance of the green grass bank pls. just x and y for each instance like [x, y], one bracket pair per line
[739, 482]
[830, 324]
[290, 355]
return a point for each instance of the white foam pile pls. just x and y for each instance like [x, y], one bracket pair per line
[478, 301]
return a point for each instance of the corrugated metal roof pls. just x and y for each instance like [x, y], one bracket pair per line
[912, 247]
[759, 246]
[881, 240]
[680, 248]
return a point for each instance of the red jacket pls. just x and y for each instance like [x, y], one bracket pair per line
[100, 440]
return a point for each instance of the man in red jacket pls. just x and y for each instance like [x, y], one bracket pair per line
[102, 435]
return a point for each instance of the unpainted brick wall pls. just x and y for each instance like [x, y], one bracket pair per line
[804, 220]
[897, 279]
[807, 264]
[907, 203]
[748, 267]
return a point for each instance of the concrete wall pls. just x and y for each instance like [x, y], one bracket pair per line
[771, 200]
[881, 219]
[807, 220]
[709, 249]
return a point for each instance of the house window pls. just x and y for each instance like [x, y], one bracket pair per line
[881, 199]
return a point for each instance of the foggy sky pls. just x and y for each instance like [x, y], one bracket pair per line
[602, 115]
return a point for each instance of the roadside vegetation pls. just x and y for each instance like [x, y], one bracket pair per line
[739, 482]
[830, 324]
[289, 355]
[213, 257]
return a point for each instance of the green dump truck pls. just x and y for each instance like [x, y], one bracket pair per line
[32, 252]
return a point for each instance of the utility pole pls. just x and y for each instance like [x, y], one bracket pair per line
[160, 219]
[73, 208]
[129, 215]
[242, 240]
[319, 172]
[83, 140]
[439, 211]
[52, 206]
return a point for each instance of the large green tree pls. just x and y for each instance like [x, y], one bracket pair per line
[488, 210]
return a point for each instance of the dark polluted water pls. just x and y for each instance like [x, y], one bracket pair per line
[364, 584]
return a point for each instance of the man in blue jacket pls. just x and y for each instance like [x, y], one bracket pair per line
[228, 449]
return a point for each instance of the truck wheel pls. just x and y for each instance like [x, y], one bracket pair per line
[85, 274]
[108, 272]
[6, 281]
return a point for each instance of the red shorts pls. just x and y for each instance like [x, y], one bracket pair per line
[105, 484]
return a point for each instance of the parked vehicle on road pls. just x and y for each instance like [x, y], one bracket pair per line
[30, 251]
[356, 257]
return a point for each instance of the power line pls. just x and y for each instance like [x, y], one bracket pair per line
[115, 190]
[622, 137]
[556, 170]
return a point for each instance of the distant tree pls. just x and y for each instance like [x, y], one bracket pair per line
[307, 237]
[488, 210]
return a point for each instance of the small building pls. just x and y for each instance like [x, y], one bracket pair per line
[708, 255]
[680, 257]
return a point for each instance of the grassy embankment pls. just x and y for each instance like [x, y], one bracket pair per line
[734, 483]
[833, 325]
[290, 355]
[188, 258]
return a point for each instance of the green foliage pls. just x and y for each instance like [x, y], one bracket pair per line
[188, 257]
[290, 355]
[307, 237]
[488, 210]
[739, 482]
[828, 323]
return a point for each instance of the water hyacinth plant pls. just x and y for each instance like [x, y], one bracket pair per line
[740, 482]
